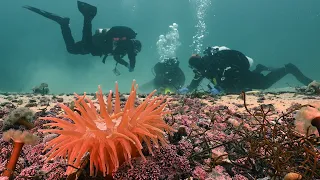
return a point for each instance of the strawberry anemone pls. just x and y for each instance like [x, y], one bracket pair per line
[112, 135]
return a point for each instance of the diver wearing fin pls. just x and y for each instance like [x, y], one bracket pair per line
[117, 41]
[229, 71]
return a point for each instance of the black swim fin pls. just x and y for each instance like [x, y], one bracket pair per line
[54, 17]
[295, 71]
[87, 10]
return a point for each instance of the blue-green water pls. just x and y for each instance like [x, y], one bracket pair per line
[271, 32]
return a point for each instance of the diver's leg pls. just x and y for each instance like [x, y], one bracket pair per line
[259, 68]
[254, 80]
[260, 81]
[294, 70]
[72, 47]
[273, 77]
[89, 12]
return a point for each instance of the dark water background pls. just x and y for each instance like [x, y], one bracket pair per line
[271, 32]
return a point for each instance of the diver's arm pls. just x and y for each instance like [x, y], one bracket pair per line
[132, 59]
[195, 82]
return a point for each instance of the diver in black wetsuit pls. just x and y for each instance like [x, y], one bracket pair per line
[168, 75]
[117, 41]
[229, 71]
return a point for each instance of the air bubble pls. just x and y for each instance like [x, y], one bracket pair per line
[168, 44]
[201, 9]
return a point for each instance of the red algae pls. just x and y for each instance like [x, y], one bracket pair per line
[213, 142]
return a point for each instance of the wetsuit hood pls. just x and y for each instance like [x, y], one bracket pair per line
[195, 61]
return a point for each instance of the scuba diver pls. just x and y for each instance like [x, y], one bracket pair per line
[168, 77]
[228, 70]
[117, 41]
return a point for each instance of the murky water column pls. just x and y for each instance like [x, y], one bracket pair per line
[168, 44]
[201, 10]
[129, 5]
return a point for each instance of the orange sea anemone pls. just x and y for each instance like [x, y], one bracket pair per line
[112, 135]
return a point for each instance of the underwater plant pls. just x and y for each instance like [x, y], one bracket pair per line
[111, 136]
[313, 88]
[273, 147]
[42, 89]
[19, 116]
[19, 139]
